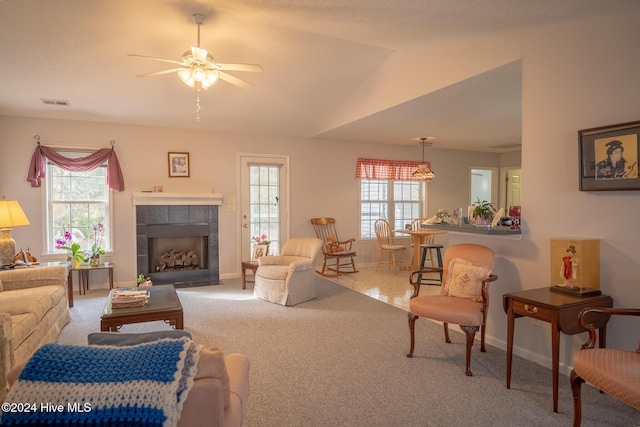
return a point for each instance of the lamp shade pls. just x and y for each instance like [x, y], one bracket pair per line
[424, 171]
[11, 214]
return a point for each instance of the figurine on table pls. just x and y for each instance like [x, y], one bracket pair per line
[569, 268]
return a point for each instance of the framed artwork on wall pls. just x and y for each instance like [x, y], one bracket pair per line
[178, 165]
[608, 157]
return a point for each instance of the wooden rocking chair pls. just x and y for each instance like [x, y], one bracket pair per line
[338, 255]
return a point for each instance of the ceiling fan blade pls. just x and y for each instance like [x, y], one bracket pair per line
[171, 61]
[234, 80]
[240, 67]
[159, 73]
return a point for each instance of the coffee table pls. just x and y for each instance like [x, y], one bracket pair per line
[163, 304]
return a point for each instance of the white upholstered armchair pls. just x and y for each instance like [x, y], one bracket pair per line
[287, 278]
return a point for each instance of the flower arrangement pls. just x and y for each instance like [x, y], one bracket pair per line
[96, 249]
[261, 240]
[74, 253]
[443, 217]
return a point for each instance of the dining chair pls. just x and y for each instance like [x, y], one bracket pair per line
[384, 234]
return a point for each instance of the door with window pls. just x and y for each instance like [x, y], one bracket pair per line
[264, 204]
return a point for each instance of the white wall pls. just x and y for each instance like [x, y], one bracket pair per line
[574, 77]
[322, 177]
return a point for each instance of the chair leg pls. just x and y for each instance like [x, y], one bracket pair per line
[412, 324]
[446, 333]
[392, 260]
[470, 332]
[576, 383]
[482, 331]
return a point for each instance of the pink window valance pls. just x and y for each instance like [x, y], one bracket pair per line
[38, 165]
[398, 170]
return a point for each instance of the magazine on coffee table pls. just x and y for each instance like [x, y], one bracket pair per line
[129, 298]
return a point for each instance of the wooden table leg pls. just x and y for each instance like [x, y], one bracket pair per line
[415, 262]
[70, 288]
[510, 327]
[555, 350]
[111, 278]
[244, 278]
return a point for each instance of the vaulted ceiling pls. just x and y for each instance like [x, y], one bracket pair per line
[316, 54]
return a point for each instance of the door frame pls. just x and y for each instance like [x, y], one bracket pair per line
[504, 171]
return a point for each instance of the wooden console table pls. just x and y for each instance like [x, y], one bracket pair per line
[559, 309]
[83, 276]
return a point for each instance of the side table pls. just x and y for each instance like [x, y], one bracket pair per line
[83, 276]
[559, 309]
[248, 265]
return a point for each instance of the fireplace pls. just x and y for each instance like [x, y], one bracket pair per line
[177, 238]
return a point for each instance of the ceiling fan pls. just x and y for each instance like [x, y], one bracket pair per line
[198, 69]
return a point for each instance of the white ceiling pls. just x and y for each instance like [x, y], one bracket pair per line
[315, 55]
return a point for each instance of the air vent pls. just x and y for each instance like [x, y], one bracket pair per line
[58, 102]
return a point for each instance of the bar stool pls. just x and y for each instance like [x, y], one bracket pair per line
[429, 247]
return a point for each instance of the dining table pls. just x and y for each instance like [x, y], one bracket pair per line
[419, 237]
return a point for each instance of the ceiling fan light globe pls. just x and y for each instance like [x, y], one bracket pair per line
[186, 78]
[198, 74]
[212, 77]
[184, 75]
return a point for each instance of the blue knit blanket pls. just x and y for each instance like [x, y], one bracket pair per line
[141, 385]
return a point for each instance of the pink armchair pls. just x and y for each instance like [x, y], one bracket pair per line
[464, 297]
[612, 371]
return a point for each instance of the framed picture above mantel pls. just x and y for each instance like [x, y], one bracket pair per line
[608, 157]
[178, 165]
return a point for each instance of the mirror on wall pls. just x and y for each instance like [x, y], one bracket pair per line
[500, 186]
[484, 185]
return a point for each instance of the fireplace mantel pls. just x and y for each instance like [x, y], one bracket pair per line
[177, 198]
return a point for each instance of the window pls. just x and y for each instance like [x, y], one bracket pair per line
[77, 202]
[264, 183]
[399, 202]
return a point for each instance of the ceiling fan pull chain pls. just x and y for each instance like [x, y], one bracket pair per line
[198, 106]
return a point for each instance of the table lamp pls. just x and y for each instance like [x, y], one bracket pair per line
[11, 215]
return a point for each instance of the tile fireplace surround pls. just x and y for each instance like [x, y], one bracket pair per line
[178, 215]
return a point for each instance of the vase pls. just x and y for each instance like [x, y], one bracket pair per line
[483, 222]
[75, 263]
[94, 261]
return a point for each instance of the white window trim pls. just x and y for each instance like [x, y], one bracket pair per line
[48, 256]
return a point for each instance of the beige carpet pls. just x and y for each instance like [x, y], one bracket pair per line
[339, 360]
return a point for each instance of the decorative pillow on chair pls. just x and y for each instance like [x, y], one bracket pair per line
[465, 279]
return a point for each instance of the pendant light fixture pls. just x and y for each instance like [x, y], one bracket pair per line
[424, 171]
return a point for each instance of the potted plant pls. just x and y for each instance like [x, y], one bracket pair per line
[144, 281]
[93, 256]
[74, 254]
[483, 213]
